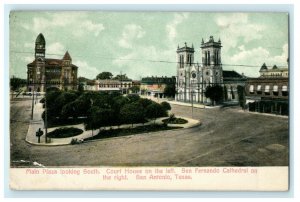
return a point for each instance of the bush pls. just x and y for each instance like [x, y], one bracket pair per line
[64, 132]
[173, 120]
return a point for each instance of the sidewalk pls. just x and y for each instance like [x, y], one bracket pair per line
[38, 122]
[196, 105]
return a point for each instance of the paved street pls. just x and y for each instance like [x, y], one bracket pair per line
[227, 137]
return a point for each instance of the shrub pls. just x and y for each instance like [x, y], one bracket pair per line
[64, 132]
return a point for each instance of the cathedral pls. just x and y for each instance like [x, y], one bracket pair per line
[193, 78]
[44, 73]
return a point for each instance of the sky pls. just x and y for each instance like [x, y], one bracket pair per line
[138, 43]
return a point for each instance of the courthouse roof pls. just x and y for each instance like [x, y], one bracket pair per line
[67, 56]
[50, 62]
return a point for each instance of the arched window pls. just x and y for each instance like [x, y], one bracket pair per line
[267, 90]
[251, 89]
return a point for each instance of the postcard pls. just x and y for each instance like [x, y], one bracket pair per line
[103, 100]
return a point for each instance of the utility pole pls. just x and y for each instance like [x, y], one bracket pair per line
[32, 104]
[46, 124]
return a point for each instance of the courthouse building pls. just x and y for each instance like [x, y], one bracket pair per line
[45, 73]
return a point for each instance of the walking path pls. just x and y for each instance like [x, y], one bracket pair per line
[38, 122]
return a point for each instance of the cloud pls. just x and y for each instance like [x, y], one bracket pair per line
[28, 59]
[139, 62]
[73, 20]
[55, 48]
[87, 25]
[130, 33]
[256, 57]
[171, 28]
[85, 70]
[236, 28]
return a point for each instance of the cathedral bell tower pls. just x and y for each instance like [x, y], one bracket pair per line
[40, 49]
[185, 61]
[211, 62]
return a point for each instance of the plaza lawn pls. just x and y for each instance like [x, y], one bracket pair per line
[64, 132]
[175, 120]
[130, 131]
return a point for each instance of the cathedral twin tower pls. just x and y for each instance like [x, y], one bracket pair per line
[193, 78]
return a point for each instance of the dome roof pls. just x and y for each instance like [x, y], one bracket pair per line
[40, 39]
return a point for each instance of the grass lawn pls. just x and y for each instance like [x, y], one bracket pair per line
[130, 131]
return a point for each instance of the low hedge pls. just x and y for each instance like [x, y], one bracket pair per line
[64, 132]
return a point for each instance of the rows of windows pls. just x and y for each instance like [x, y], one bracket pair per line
[114, 85]
[266, 90]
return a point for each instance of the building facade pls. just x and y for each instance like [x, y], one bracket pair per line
[155, 86]
[193, 78]
[45, 73]
[269, 93]
[231, 81]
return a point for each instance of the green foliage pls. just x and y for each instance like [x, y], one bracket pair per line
[134, 89]
[155, 110]
[166, 105]
[104, 75]
[133, 98]
[175, 120]
[132, 113]
[145, 102]
[130, 131]
[215, 93]
[170, 90]
[121, 77]
[64, 132]
[80, 88]
[16, 83]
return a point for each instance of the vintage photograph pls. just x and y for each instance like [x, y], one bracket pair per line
[175, 89]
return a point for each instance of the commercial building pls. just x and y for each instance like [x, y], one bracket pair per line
[155, 86]
[269, 93]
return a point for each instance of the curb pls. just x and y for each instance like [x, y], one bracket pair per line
[198, 123]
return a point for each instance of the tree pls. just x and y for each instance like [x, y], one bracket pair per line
[98, 117]
[133, 98]
[134, 89]
[166, 106]
[121, 77]
[155, 110]
[16, 83]
[170, 90]
[104, 75]
[241, 94]
[132, 113]
[80, 87]
[214, 93]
